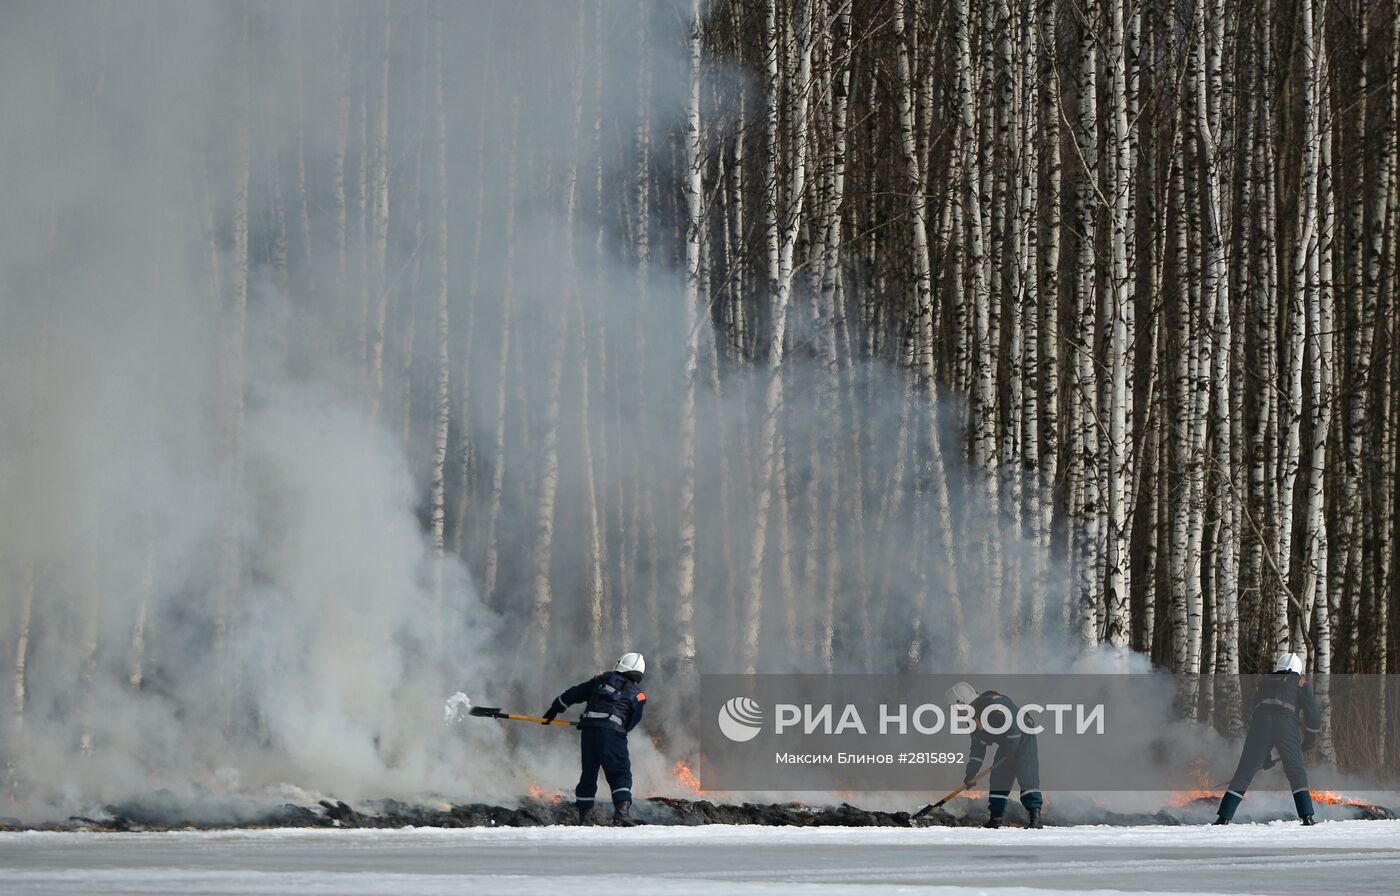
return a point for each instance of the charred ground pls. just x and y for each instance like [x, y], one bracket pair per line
[161, 812]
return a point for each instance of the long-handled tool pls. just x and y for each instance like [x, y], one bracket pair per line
[934, 807]
[459, 705]
[493, 712]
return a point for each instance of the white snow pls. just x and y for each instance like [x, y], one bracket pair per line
[457, 707]
[1355, 857]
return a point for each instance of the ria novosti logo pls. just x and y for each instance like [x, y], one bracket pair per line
[740, 719]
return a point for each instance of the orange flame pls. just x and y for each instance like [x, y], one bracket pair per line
[1187, 797]
[1200, 787]
[1333, 798]
[686, 776]
[539, 793]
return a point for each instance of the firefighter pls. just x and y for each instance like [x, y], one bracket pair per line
[1017, 757]
[614, 707]
[1283, 694]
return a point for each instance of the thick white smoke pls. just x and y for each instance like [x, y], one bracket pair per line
[115, 477]
[326, 671]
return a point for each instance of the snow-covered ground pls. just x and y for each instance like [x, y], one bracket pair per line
[1337, 857]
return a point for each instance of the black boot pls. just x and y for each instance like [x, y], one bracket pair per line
[1221, 819]
[1308, 821]
[622, 815]
[583, 812]
[993, 822]
[1034, 822]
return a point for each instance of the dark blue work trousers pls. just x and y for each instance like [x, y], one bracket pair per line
[606, 749]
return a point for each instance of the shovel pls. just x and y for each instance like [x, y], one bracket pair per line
[934, 807]
[494, 712]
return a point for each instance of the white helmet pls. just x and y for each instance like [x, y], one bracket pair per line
[1289, 662]
[631, 662]
[962, 692]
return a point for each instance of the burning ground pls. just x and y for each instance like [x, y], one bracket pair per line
[163, 811]
[681, 801]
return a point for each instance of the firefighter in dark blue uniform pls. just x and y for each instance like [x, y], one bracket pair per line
[614, 704]
[1017, 757]
[1283, 694]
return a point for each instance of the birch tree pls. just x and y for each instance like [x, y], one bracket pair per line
[783, 212]
[443, 386]
[693, 185]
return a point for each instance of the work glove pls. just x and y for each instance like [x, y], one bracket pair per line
[969, 780]
[1309, 740]
[549, 715]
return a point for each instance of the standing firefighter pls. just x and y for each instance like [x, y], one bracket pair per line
[1017, 758]
[1283, 694]
[614, 707]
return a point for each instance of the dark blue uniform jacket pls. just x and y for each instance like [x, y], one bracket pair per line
[1290, 693]
[613, 701]
[1006, 742]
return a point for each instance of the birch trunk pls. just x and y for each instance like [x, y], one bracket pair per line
[1053, 112]
[983, 396]
[691, 323]
[1084, 462]
[1181, 438]
[783, 208]
[503, 347]
[1217, 298]
[467, 459]
[1261, 548]
[1117, 621]
[342, 147]
[20, 690]
[1315, 589]
[831, 394]
[380, 230]
[437, 508]
[1305, 252]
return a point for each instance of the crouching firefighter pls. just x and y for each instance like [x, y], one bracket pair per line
[1283, 695]
[614, 703]
[1017, 757]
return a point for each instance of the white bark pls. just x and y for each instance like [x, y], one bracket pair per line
[1050, 425]
[380, 229]
[1038, 509]
[503, 347]
[342, 204]
[1305, 253]
[983, 392]
[1180, 347]
[136, 670]
[691, 322]
[1315, 591]
[20, 690]
[1084, 462]
[437, 505]
[1216, 298]
[783, 209]
[1119, 341]
[466, 448]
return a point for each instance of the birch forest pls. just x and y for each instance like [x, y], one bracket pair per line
[353, 350]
